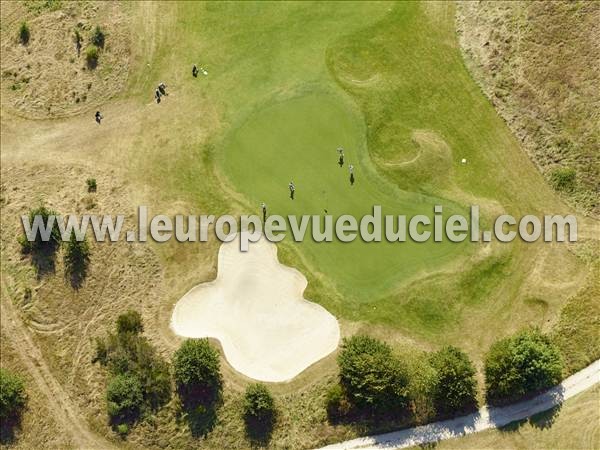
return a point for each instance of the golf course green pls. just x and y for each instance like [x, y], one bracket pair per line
[297, 140]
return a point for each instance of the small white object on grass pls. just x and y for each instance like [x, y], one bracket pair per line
[205, 72]
[464, 161]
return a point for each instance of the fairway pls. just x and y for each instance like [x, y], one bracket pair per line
[297, 140]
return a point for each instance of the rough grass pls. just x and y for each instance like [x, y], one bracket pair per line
[536, 62]
[574, 425]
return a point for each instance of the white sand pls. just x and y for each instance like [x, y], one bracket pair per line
[255, 308]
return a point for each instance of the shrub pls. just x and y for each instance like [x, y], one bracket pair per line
[24, 33]
[130, 322]
[12, 396]
[124, 398]
[259, 412]
[455, 388]
[98, 37]
[40, 244]
[520, 365]
[371, 376]
[563, 179]
[336, 403]
[77, 258]
[128, 354]
[196, 367]
[91, 184]
[91, 56]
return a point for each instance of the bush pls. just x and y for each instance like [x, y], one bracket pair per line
[521, 365]
[455, 388]
[563, 179]
[77, 258]
[197, 371]
[91, 56]
[24, 33]
[130, 322]
[259, 412]
[98, 37]
[124, 399]
[371, 376]
[12, 396]
[91, 184]
[39, 244]
[336, 403]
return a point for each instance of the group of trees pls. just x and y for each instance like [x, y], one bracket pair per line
[140, 382]
[376, 383]
[139, 379]
[43, 251]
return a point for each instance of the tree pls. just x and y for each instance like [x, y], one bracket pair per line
[197, 371]
[77, 258]
[124, 398]
[371, 376]
[520, 365]
[130, 322]
[39, 244]
[455, 387]
[259, 412]
[12, 396]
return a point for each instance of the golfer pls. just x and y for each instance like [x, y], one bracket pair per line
[292, 187]
[157, 95]
[263, 206]
[341, 158]
[194, 71]
[351, 169]
[98, 117]
[162, 87]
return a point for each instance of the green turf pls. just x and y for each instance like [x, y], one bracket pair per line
[297, 140]
[290, 82]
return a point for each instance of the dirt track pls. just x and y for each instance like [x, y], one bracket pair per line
[65, 412]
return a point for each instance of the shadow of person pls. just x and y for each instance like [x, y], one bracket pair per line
[352, 179]
[341, 161]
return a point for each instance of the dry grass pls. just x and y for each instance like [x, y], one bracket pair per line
[537, 63]
[49, 77]
[572, 426]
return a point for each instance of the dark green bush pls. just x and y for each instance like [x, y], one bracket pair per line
[98, 37]
[371, 377]
[91, 184]
[24, 33]
[259, 412]
[39, 244]
[12, 396]
[563, 179]
[197, 368]
[124, 399]
[524, 364]
[455, 387]
[130, 322]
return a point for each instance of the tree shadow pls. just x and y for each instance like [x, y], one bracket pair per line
[8, 430]
[200, 412]
[77, 275]
[260, 430]
[43, 259]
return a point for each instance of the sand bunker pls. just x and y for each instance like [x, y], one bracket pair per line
[255, 308]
